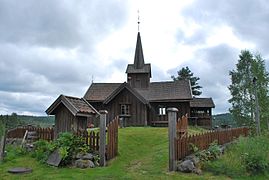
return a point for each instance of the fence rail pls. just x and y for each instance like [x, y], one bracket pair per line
[202, 141]
[112, 138]
[42, 133]
[92, 138]
[182, 126]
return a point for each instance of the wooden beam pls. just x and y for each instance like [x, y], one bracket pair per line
[172, 117]
[102, 147]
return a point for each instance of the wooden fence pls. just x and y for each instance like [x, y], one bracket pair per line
[112, 139]
[182, 126]
[203, 141]
[92, 139]
[42, 133]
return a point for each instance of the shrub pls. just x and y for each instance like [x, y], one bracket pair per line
[69, 145]
[42, 150]
[255, 163]
[211, 153]
[248, 156]
[13, 152]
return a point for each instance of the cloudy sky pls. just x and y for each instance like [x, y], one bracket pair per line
[49, 47]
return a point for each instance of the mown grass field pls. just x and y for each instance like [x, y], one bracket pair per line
[143, 154]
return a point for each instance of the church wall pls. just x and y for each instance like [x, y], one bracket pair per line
[139, 80]
[138, 110]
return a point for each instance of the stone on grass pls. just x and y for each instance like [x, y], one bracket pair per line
[186, 166]
[87, 156]
[20, 170]
[80, 163]
[55, 158]
[194, 159]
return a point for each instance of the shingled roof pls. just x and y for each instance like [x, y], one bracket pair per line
[202, 102]
[169, 90]
[157, 91]
[100, 91]
[77, 106]
[129, 88]
[145, 69]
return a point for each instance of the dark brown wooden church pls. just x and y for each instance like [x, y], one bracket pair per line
[142, 102]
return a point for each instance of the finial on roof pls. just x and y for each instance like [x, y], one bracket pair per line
[138, 19]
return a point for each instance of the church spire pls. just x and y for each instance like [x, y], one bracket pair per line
[139, 57]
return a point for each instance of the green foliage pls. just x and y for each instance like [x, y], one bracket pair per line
[2, 125]
[67, 144]
[255, 163]
[242, 89]
[186, 74]
[14, 120]
[223, 119]
[213, 152]
[42, 150]
[247, 156]
[14, 152]
[193, 148]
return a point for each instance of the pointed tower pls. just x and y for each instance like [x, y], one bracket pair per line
[139, 73]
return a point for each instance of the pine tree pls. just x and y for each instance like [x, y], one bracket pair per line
[242, 89]
[186, 74]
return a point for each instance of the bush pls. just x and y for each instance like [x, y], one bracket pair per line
[67, 144]
[42, 150]
[13, 152]
[255, 163]
[211, 153]
[248, 156]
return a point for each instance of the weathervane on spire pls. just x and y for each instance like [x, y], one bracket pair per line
[138, 20]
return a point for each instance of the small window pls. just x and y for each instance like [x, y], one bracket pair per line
[162, 111]
[125, 109]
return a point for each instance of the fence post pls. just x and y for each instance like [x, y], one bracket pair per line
[172, 117]
[102, 147]
[3, 138]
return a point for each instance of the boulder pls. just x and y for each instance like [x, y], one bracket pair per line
[79, 156]
[87, 156]
[186, 166]
[194, 159]
[80, 163]
[197, 171]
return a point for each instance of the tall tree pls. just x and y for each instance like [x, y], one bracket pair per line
[242, 89]
[186, 74]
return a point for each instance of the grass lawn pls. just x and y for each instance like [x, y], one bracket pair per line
[143, 154]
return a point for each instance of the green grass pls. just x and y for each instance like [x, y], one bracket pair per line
[143, 154]
[250, 150]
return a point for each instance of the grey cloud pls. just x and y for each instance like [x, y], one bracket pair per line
[32, 73]
[212, 65]
[248, 18]
[57, 24]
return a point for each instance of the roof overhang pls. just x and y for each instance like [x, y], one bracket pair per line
[74, 111]
[122, 87]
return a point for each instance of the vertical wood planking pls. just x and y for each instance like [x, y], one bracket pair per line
[203, 140]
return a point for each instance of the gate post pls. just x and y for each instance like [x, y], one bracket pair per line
[3, 137]
[172, 117]
[102, 147]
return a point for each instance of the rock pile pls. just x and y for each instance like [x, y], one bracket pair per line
[190, 164]
[85, 160]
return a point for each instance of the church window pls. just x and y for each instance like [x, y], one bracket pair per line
[162, 111]
[125, 109]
